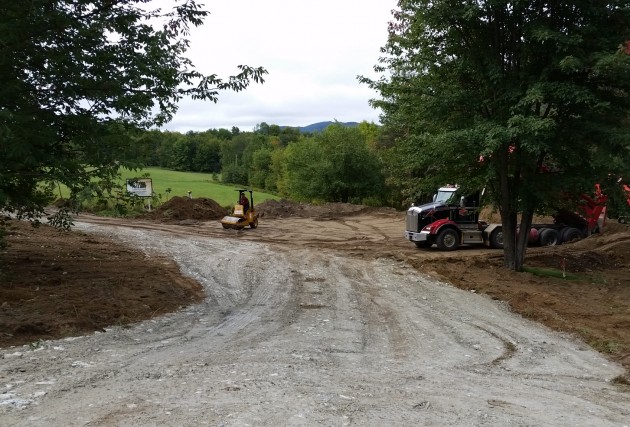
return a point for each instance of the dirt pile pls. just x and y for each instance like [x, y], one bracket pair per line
[609, 250]
[286, 208]
[184, 208]
[55, 284]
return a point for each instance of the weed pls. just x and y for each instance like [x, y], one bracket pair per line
[552, 272]
[36, 344]
[598, 279]
[607, 346]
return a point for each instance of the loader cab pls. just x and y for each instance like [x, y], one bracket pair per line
[244, 203]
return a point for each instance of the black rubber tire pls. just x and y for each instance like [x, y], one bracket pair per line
[622, 220]
[254, 223]
[496, 238]
[570, 234]
[447, 240]
[424, 244]
[549, 237]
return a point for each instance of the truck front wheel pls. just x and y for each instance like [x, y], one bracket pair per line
[496, 239]
[447, 240]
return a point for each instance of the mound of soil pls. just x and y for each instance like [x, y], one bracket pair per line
[286, 208]
[608, 250]
[55, 284]
[184, 208]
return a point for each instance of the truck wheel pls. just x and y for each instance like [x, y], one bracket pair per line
[496, 238]
[447, 240]
[570, 234]
[424, 244]
[622, 220]
[549, 237]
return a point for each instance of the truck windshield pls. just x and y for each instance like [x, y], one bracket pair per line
[443, 196]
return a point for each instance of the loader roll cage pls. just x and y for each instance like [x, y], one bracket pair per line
[242, 192]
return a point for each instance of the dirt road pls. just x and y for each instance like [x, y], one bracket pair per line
[307, 323]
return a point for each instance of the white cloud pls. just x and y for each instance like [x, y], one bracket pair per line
[313, 51]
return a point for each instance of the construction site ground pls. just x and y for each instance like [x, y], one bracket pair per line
[323, 315]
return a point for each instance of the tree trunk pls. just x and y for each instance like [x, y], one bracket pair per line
[523, 239]
[508, 222]
[507, 209]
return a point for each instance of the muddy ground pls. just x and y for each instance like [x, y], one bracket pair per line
[109, 275]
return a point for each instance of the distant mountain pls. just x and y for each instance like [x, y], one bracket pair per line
[318, 127]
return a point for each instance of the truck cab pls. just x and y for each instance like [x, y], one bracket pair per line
[451, 219]
[420, 216]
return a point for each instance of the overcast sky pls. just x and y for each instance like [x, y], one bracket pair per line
[313, 51]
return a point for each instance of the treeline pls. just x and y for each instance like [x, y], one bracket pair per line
[339, 164]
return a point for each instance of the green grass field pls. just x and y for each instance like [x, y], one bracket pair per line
[180, 183]
[199, 184]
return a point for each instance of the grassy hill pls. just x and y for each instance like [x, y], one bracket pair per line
[180, 183]
[199, 184]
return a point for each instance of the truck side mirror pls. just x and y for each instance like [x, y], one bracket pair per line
[461, 202]
[434, 197]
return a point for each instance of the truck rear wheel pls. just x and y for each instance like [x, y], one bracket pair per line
[549, 237]
[570, 234]
[447, 240]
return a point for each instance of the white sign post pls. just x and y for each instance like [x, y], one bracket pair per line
[141, 187]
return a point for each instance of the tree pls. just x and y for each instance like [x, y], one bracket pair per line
[78, 77]
[166, 149]
[289, 135]
[184, 151]
[371, 133]
[260, 171]
[236, 157]
[208, 154]
[148, 146]
[536, 90]
[336, 165]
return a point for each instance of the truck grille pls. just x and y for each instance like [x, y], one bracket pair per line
[412, 222]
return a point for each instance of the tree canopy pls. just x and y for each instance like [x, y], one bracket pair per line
[79, 77]
[336, 165]
[529, 98]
